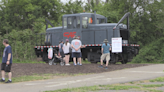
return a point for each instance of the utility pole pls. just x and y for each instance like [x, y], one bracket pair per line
[107, 1]
[89, 1]
[97, 2]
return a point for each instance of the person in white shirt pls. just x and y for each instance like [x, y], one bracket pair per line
[66, 49]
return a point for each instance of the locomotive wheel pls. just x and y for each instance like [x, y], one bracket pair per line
[115, 59]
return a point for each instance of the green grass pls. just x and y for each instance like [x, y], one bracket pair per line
[41, 77]
[107, 87]
[97, 88]
[153, 85]
[80, 89]
[31, 78]
[25, 61]
[159, 79]
[132, 82]
[124, 86]
[153, 90]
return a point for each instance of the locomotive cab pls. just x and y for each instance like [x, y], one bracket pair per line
[82, 20]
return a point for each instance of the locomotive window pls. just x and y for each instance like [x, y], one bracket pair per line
[65, 23]
[84, 22]
[49, 37]
[74, 22]
[45, 38]
[102, 21]
[78, 22]
[69, 25]
[97, 21]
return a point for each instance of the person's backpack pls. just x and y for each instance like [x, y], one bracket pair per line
[50, 53]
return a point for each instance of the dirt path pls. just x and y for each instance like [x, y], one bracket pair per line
[30, 69]
[113, 77]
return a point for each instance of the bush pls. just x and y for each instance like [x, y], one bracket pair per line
[22, 43]
[151, 53]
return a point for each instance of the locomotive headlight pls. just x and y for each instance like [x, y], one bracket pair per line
[123, 26]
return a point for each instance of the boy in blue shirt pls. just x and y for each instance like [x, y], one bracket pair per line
[105, 53]
[6, 61]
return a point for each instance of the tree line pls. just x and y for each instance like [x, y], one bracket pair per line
[22, 19]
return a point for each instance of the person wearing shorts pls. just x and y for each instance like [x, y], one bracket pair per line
[66, 49]
[105, 53]
[6, 61]
[76, 50]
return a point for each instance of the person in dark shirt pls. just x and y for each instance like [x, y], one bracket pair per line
[6, 61]
[61, 49]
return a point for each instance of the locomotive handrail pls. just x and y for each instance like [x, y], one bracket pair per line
[125, 16]
[48, 22]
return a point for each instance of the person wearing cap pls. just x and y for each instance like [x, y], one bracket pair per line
[66, 48]
[61, 49]
[105, 53]
[76, 50]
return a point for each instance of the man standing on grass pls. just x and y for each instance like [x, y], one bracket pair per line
[76, 52]
[105, 53]
[6, 61]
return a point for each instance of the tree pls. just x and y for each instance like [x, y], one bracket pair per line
[73, 7]
[21, 14]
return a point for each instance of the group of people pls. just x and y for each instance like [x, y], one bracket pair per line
[65, 49]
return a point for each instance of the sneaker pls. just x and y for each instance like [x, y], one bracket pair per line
[67, 64]
[8, 81]
[78, 63]
[2, 80]
[101, 66]
[75, 64]
[106, 67]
